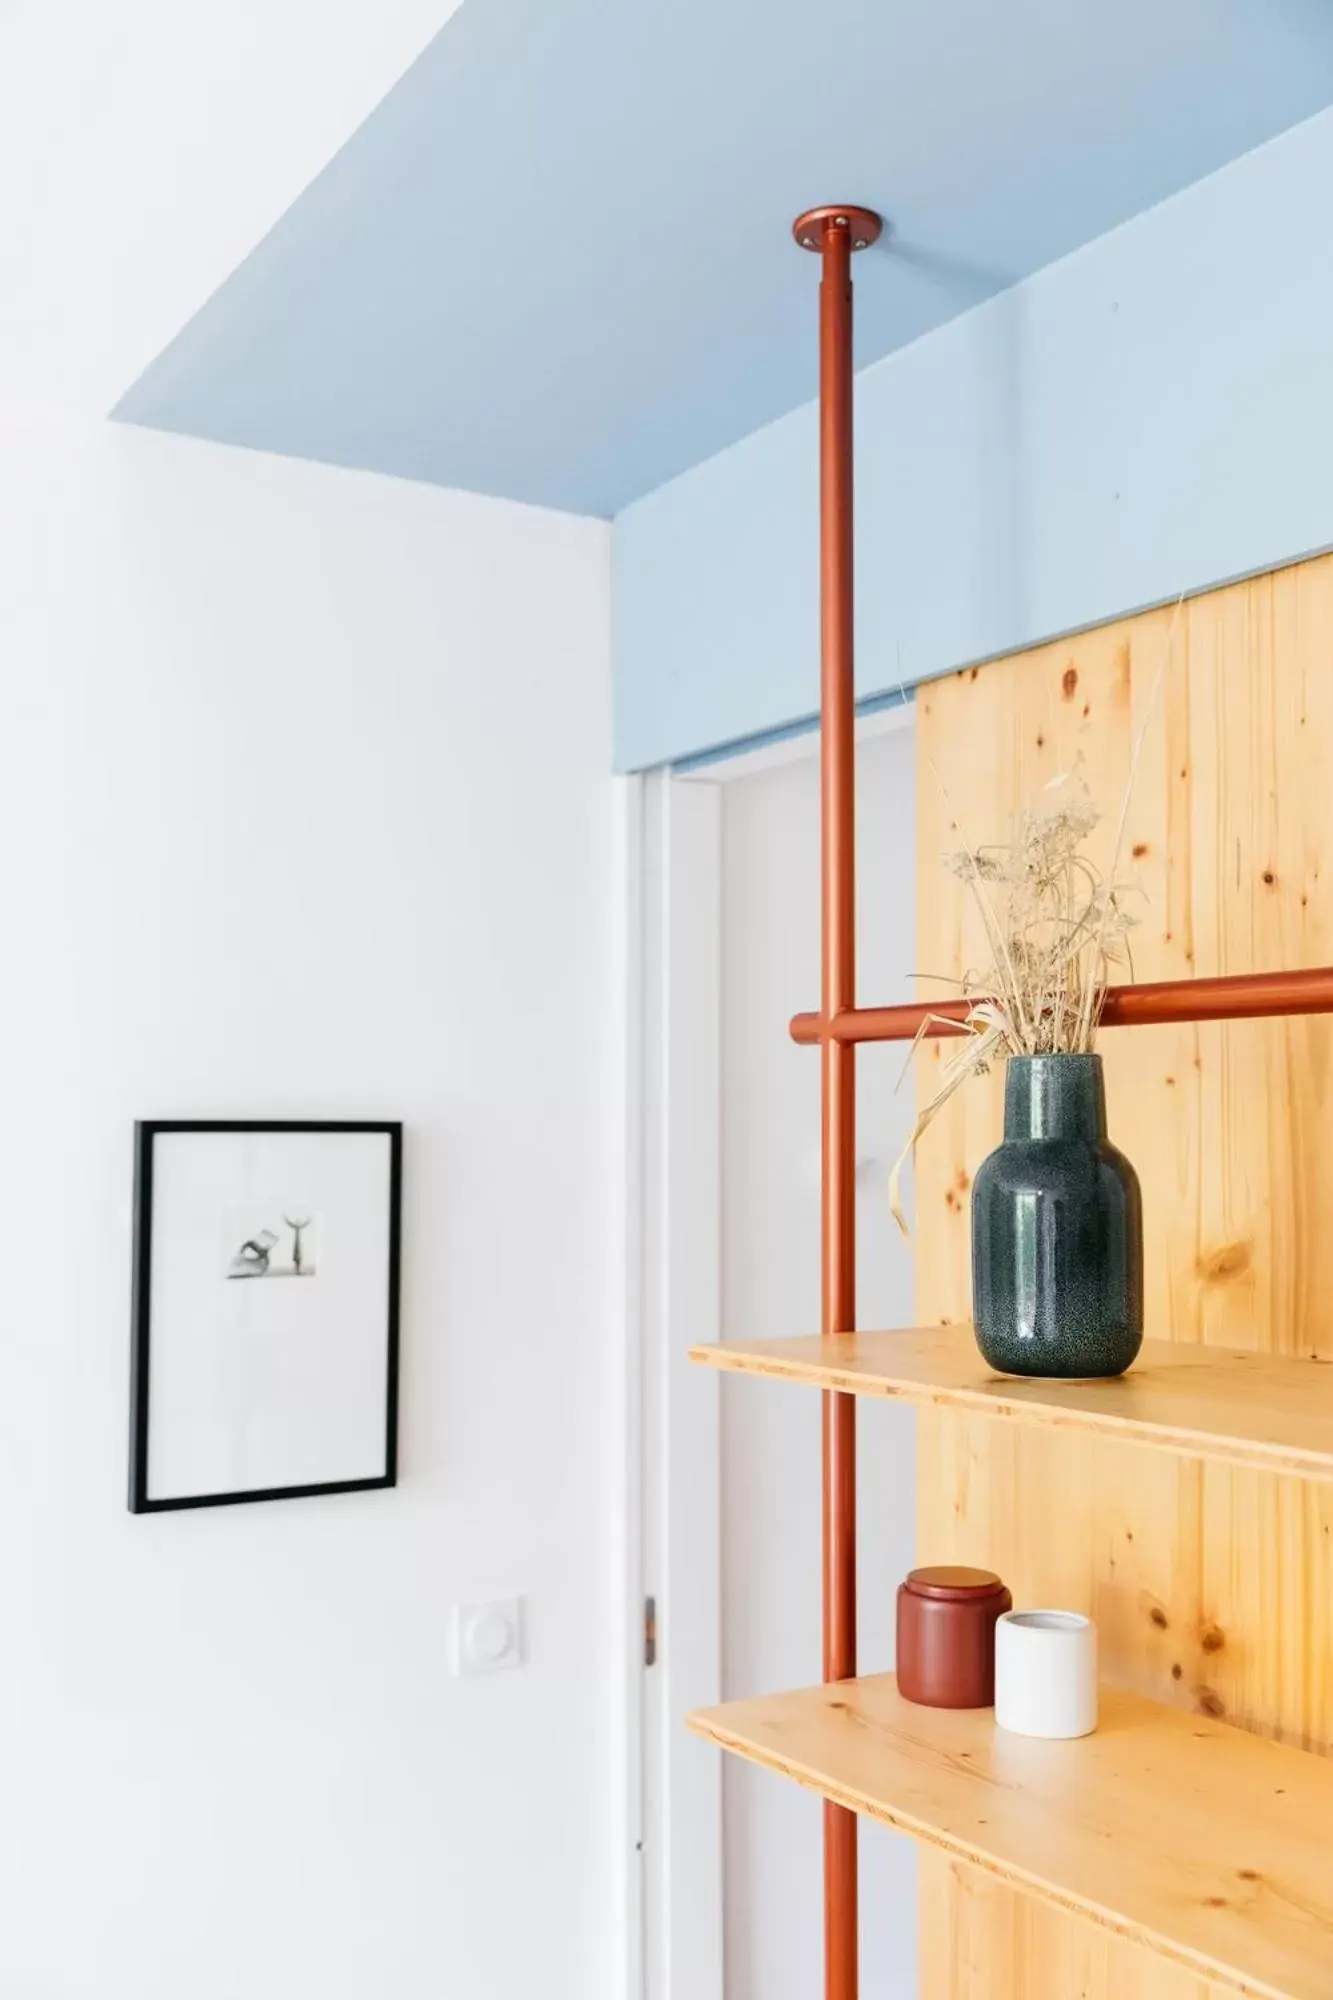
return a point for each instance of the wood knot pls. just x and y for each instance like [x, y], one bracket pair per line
[1139, 849]
[1269, 877]
[1248, 1875]
[1176, 1671]
[1215, 1903]
[962, 1180]
[1158, 1617]
[1211, 1704]
[1219, 1267]
[1212, 1639]
[1069, 682]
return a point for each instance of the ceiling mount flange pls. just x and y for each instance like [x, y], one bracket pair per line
[861, 224]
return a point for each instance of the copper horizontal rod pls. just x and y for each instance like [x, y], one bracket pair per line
[1240, 996]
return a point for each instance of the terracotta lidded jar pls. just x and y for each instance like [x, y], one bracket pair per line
[946, 1636]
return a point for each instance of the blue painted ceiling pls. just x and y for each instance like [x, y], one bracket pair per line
[555, 262]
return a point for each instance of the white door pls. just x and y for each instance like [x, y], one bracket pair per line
[731, 1517]
[770, 1458]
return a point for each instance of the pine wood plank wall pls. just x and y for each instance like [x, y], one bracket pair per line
[1211, 1588]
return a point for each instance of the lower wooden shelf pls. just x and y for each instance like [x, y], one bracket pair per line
[1269, 1412]
[1211, 1846]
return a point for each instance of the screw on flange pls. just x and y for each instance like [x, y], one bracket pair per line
[814, 229]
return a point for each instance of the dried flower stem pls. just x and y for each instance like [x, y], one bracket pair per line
[1055, 925]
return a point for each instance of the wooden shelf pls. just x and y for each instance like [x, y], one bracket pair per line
[1205, 1843]
[1255, 1410]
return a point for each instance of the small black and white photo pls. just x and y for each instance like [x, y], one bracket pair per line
[265, 1322]
[280, 1240]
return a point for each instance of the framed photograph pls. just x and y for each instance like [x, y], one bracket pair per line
[265, 1334]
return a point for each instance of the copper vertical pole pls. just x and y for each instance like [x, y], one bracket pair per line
[835, 232]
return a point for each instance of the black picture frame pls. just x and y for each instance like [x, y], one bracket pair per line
[146, 1134]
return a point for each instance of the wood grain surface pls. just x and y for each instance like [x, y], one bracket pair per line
[1211, 1584]
[1201, 1841]
[1263, 1411]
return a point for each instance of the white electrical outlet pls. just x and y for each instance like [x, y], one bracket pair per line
[488, 1638]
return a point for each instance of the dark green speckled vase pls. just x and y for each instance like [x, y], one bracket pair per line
[1057, 1229]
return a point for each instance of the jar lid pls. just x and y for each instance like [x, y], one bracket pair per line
[951, 1580]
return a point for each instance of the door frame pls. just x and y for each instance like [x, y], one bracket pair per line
[669, 1287]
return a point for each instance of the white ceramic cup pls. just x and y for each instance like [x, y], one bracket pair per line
[1046, 1673]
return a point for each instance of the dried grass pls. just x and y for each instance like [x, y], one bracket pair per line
[1056, 928]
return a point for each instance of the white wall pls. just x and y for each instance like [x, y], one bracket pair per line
[773, 1919]
[146, 147]
[303, 811]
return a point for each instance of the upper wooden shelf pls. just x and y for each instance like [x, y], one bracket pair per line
[1256, 1410]
[1209, 1845]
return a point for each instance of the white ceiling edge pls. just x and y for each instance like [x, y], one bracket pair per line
[146, 147]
